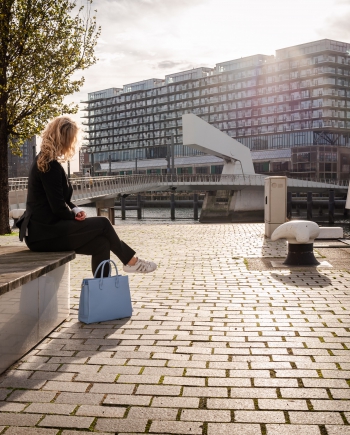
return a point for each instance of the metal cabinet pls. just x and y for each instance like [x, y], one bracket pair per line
[275, 203]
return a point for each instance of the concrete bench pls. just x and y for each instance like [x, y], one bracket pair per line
[34, 298]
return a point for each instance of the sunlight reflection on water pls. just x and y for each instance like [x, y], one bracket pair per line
[151, 216]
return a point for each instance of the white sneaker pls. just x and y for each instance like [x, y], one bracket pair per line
[141, 266]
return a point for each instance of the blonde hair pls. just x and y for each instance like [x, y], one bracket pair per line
[58, 142]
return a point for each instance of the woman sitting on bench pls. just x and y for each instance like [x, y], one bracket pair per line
[53, 223]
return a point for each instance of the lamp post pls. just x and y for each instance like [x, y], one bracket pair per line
[68, 168]
[110, 164]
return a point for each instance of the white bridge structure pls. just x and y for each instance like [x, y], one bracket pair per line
[88, 190]
[246, 199]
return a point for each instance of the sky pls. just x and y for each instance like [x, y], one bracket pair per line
[142, 39]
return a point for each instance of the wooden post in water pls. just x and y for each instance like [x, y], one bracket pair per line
[331, 206]
[195, 206]
[122, 203]
[139, 210]
[309, 206]
[172, 206]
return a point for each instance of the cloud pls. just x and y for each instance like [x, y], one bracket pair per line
[167, 64]
[337, 28]
[336, 24]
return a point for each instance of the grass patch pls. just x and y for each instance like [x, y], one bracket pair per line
[15, 233]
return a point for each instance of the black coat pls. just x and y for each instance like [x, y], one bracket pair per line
[48, 209]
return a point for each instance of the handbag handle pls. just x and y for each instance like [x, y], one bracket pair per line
[102, 266]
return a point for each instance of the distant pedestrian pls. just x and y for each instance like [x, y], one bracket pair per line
[53, 223]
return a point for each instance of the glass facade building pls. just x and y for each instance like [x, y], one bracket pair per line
[299, 97]
[18, 166]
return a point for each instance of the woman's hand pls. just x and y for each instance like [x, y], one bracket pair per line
[80, 216]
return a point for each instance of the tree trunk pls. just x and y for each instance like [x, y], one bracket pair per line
[4, 183]
[5, 12]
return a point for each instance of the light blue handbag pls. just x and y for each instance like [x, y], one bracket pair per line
[105, 298]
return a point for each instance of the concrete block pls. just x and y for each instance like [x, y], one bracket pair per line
[331, 233]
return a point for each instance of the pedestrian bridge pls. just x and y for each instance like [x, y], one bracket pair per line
[87, 190]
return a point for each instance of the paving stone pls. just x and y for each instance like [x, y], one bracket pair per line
[331, 405]
[50, 408]
[341, 393]
[184, 380]
[325, 383]
[61, 421]
[119, 399]
[31, 396]
[120, 425]
[77, 387]
[179, 402]
[101, 411]
[233, 429]
[245, 393]
[230, 404]
[7, 419]
[32, 384]
[80, 398]
[75, 432]
[30, 431]
[161, 390]
[315, 417]
[112, 388]
[292, 429]
[205, 392]
[259, 416]
[177, 427]
[306, 393]
[338, 430]
[283, 404]
[11, 407]
[205, 415]
[52, 376]
[152, 413]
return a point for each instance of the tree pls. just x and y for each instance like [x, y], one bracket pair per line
[42, 44]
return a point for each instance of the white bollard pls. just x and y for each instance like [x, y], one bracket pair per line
[300, 236]
[15, 214]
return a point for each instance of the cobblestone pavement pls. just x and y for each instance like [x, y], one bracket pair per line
[212, 347]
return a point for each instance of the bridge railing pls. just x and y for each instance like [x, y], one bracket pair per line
[110, 183]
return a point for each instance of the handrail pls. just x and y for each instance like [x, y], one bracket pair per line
[146, 179]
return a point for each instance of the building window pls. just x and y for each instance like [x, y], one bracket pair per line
[202, 170]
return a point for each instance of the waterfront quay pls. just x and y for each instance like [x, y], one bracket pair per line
[220, 342]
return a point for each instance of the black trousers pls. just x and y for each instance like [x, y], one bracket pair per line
[94, 236]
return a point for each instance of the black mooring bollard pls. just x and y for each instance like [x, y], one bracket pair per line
[309, 206]
[301, 255]
[122, 203]
[195, 206]
[139, 209]
[172, 206]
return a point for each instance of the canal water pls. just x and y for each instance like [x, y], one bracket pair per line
[152, 215]
[184, 216]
